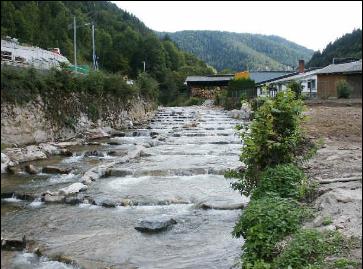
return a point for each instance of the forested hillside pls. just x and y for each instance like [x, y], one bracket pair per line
[348, 46]
[123, 42]
[241, 51]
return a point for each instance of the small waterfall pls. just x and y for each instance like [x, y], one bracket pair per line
[36, 203]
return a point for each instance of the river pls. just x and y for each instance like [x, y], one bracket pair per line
[180, 171]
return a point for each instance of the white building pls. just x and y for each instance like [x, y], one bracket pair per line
[320, 82]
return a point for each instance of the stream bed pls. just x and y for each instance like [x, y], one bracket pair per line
[179, 175]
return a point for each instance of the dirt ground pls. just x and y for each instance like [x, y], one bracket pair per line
[340, 123]
[337, 167]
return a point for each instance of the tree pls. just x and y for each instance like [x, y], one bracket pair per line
[7, 18]
[296, 87]
[344, 90]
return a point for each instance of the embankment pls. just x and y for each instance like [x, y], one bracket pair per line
[65, 117]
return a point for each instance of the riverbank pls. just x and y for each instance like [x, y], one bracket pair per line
[337, 168]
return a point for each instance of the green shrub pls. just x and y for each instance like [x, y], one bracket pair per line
[70, 122]
[20, 85]
[271, 138]
[228, 102]
[344, 90]
[257, 264]
[257, 102]
[193, 101]
[242, 87]
[266, 221]
[296, 87]
[344, 263]
[309, 247]
[327, 220]
[93, 111]
[148, 86]
[285, 180]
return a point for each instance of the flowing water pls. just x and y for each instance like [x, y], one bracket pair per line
[191, 147]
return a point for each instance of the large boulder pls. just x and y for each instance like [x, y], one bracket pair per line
[116, 133]
[73, 189]
[155, 224]
[5, 163]
[31, 169]
[55, 170]
[49, 149]
[242, 114]
[119, 153]
[96, 134]
[13, 244]
[108, 203]
[29, 153]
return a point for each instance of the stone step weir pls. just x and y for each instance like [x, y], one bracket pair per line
[165, 179]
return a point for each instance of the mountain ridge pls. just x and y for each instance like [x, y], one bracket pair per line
[240, 51]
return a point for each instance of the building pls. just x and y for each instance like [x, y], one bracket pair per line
[319, 82]
[328, 77]
[207, 86]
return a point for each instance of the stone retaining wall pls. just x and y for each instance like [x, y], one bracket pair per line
[38, 121]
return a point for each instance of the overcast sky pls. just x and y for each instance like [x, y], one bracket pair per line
[311, 24]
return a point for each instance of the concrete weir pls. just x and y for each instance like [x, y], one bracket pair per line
[154, 197]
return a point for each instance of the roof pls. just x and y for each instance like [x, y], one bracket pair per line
[208, 78]
[296, 76]
[259, 76]
[345, 68]
[352, 67]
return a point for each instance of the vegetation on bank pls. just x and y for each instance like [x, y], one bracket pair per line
[97, 92]
[123, 42]
[21, 85]
[274, 147]
[237, 90]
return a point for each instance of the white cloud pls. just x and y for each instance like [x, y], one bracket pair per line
[311, 24]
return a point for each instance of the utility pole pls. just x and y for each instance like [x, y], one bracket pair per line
[75, 44]
[144, 65]
[93, 47]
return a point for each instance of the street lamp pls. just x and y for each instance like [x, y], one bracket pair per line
[93, 46]
[94, 60]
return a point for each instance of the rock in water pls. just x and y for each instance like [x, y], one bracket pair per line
[48, 198]
[116, 133]
[108, 203]
[155, 225]
[55, 170]
[5, 162]
[72, 189]
[31, 169]
[13, 244]
[94, 153]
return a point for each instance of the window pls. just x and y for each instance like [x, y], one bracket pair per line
[313, 84]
